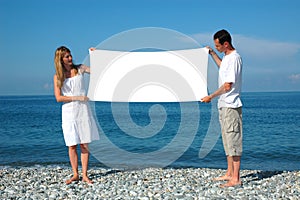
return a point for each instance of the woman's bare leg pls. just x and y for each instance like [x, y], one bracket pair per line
[85, 162]
[74, 164]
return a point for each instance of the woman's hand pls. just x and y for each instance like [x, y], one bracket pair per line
[84, 98]
[80, 98]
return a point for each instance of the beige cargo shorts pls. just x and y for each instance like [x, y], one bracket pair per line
[232, 130]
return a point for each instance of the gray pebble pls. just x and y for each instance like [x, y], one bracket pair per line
[150, 183]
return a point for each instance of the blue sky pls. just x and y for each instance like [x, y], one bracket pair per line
[266, 34]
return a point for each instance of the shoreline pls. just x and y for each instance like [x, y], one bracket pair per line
[48, 182]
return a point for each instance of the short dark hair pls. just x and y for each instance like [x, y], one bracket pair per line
[223, 36]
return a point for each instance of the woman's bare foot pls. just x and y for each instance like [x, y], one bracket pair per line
[87, 180]
[75, 178]
[222, 178]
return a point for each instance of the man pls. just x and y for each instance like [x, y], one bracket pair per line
[229, 104]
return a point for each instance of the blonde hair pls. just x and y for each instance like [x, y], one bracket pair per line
[59, 67]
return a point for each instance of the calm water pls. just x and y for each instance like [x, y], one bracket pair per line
[30, 132]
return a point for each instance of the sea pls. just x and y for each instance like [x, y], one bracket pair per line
[169, 134]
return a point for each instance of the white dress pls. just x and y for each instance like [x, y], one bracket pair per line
[78, 123]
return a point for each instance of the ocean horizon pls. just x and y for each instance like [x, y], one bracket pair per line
[31, 133]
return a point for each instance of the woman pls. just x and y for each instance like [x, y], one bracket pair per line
[78, 124]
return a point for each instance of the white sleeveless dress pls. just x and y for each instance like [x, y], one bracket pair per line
[78, 123]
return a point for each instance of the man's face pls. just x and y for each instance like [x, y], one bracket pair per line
[218, 46]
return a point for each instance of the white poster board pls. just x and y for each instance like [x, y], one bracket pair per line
[162, 76]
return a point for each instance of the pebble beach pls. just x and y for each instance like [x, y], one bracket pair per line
[47, 182]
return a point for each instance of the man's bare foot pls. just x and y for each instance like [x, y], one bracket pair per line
[87, 180]
[231, 184]
[73, 179]
[222, 178]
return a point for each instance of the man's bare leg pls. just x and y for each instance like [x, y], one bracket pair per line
[235, 180]
[74, 164]
[84, 162]
[229, 172]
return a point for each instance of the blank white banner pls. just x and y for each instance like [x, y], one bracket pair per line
[163, 76]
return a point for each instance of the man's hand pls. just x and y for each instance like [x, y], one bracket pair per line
[210, 50]
[206, 99]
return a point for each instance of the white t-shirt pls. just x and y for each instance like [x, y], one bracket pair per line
[231, 72]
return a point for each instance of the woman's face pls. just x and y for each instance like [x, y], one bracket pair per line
[67, 59]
